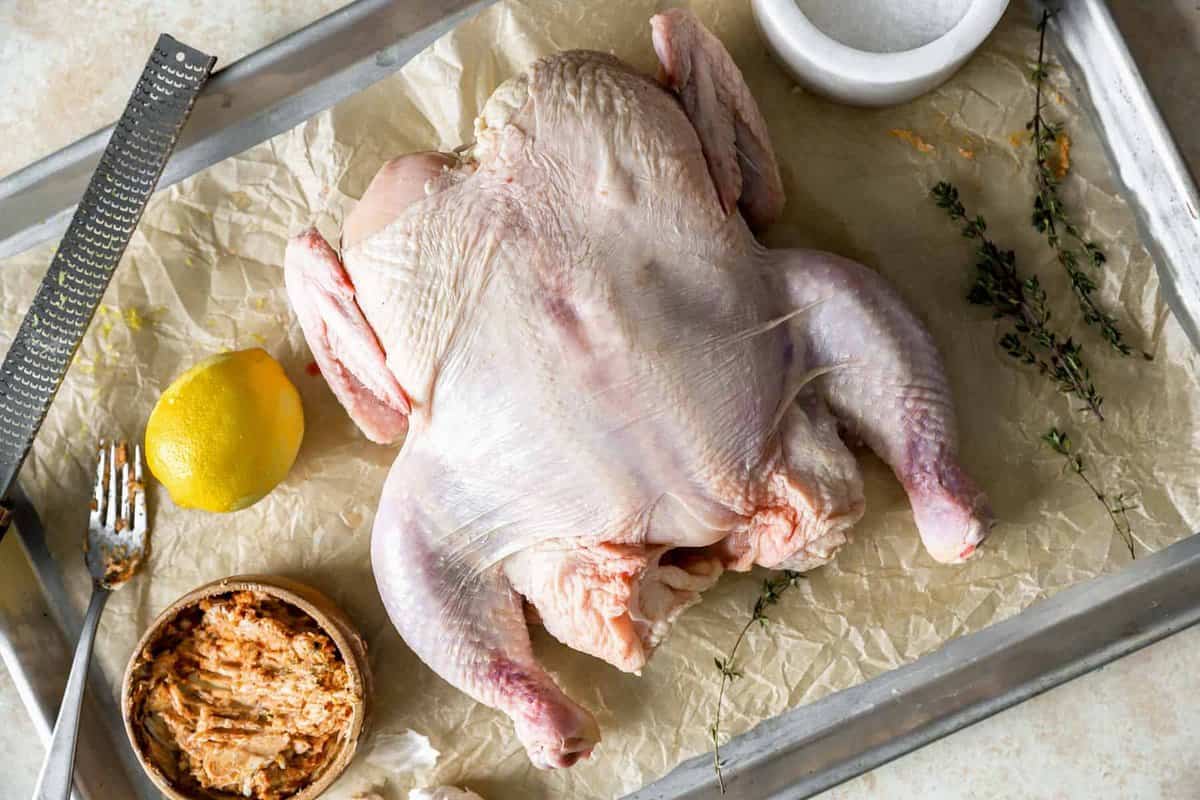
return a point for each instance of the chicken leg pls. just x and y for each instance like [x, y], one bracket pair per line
[888, 387]
[467, 623]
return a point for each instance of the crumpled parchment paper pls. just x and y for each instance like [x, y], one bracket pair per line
[203, 275]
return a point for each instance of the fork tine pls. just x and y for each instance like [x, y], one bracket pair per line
[114, 483]
[139, 493]
[123, 522]
[97, 516]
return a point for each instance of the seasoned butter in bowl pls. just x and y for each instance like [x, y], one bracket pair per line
[252, 687]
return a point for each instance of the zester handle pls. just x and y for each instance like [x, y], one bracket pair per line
[85, 260]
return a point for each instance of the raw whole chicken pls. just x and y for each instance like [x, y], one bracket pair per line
[609, 392]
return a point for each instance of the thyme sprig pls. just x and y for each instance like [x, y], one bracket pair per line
[1117, 507]
[998, 285]
[772, 590]
[1050, 216]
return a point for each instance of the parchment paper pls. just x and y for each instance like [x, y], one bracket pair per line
[203, 275]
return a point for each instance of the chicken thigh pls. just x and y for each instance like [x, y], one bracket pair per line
[609, 392]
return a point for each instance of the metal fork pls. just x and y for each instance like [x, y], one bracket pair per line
[115, 547]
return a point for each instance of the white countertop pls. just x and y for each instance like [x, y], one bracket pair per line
[1129, 730]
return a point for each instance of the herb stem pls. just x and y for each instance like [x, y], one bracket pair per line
[726, 679]
[1050, 216]
[1039, 74]
[1117, 509]
[1121, 526]
[769, 595]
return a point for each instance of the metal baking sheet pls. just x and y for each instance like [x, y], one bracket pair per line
[798, 753]
[263, 94]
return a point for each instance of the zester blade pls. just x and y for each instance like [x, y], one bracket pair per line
[90, 250]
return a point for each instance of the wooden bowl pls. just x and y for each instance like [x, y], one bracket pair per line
[331, 619]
